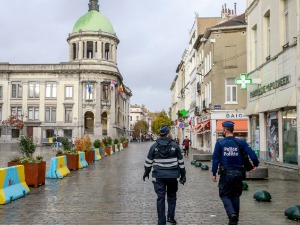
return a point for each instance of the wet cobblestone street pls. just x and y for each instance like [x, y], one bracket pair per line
[111, 191]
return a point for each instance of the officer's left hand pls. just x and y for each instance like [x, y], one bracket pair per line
[182, 180]
[214, 178]
[145, 175]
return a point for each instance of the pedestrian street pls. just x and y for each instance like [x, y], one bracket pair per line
[111, 191]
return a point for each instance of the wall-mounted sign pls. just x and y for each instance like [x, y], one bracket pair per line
[243, 81]
[276, 84]
[217, 106]
[234, 115]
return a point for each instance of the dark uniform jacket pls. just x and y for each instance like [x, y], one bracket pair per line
[166, 159]
[227, 154]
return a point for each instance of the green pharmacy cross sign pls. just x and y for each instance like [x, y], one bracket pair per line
[244, 81]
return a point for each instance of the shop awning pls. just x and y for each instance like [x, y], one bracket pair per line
[202, 127]
[239, 125]
[284, 98]
[265, 103]
[251, 108]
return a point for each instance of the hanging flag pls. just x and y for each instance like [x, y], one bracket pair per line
[112, 85]
[121, 88]
[89, 87]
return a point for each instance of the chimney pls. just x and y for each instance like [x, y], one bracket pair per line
[234, 8]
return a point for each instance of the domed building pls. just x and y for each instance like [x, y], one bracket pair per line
[83, 96]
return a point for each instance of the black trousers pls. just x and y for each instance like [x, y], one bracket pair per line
[161, 187]
[230, 190]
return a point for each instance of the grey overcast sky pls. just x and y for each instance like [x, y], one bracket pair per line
[153, 36]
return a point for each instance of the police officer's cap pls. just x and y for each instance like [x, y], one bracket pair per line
[164, 129]
[228, 124]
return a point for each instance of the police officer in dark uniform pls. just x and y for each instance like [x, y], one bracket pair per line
[167, 162]
[227, 158]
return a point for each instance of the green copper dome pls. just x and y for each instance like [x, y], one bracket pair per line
[93, 21]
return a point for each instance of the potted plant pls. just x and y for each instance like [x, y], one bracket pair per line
[107, 145]
[35, 168]
[89, 153]
[72, 156]
[97, 145]
[116, 144]
[124, 142]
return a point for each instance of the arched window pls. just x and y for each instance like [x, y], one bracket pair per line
[107, 53]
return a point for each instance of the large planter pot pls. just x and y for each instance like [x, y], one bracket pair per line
[72, 161]
[118, 145]
[89, 156]
[35, 173]
[107, 150]
[125, 144]
[113, 148]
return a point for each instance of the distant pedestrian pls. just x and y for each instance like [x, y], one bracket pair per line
[167, 162]
[227, 158]
[186, 146]
[176, 140]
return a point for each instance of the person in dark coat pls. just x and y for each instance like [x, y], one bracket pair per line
[167, 162]
[228, 160]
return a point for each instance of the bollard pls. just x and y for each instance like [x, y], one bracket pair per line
[262, 196]
[82, 163]
[12, 184]
[58, 168]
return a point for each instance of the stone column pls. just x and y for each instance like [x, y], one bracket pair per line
[98, 127]
[99, 50]
[80, 51]
[112, 114]
[76, 53]
[71, 52]
[85, 50]
[263, 136]
[280, 135]
[80, 110]
[94, 50]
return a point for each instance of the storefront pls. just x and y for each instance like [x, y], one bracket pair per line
[209, 129]
[273, 121]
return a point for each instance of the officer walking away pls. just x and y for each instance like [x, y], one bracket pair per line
[186, 144]
[167, 162]
[227, 158]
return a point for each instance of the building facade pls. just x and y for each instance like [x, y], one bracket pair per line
[83, 96]
[273, 60]
[215, 57]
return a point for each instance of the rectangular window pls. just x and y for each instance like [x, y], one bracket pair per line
[50, 114]
[1, 92]
[231, 91]
[254, 48]
[68, 114]
[89, 91]
[16, 90]
[105, 92]
[68, 134]
[16, 111]
[137, 117]
[34, 90]
[51, 89]
[267, 32]
[231, 56]
[15, 133]
[69, 92]
[49, 133]
[33, 113]
[286, 22]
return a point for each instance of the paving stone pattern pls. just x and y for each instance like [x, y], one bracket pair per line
[112, 192]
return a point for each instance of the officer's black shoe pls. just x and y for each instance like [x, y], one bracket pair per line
[233, 219]
[172, 221]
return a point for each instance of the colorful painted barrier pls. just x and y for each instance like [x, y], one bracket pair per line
[116, 148]
[97, 154]
[121, 146]
[82, 162]
[58, 167]
[12, 184]
[111, 151]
